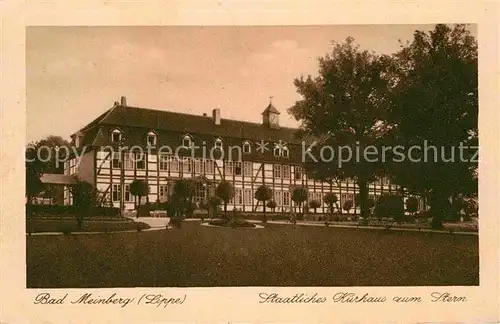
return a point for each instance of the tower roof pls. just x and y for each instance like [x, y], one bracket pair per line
[270, 108]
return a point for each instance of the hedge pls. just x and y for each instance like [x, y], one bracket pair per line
[69, 209]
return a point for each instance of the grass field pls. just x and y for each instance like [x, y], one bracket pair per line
[278, 255]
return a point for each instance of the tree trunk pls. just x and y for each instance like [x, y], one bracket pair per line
[264, 220]
[225, 210]
[439, 209]
[29, 206]
[363, 198]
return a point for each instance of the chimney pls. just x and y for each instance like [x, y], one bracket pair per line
[216, 116]
[123, 101]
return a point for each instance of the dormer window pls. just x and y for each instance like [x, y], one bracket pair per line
[151, 139]
[187, 141]
[218, 144]
[277, 151]
[285, 152]
[281, 150]
[247, 148]
[116, 136]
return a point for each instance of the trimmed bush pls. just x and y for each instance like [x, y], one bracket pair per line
[390, 206]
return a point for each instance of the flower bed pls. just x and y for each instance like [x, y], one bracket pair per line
[233, 223]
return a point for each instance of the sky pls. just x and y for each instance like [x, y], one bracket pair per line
[74, 74]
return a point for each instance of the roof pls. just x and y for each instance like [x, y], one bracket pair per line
[271, 109]
[59, 179]
[158, 120]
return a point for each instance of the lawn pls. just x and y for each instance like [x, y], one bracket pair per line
[278, 255]
[70, 225]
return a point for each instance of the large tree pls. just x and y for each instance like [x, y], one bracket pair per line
[345, 106]
[435, 108]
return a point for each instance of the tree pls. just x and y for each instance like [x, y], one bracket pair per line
[204, 205]
[139, 188]
[271, 204]
[225, 191]
[263, 194]
[314, 204]
[85, 197]
[331, 199]
[53, 151]
[390, 205]
[348, 204]
[182, 198]
[299, 195]
[435, 104]
[412, 205]
[345, 106]
[214, 202]
[33, 171]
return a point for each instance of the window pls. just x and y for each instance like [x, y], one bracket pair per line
[200, 192]
[151, 139]
[277, 170]
[276, 151]
[116, 163]
[286, 198]
[198, 166]
[247, 197]
[238, 196]
[186, 141]
[128, 196]
[247, 169]
[174, 164]
[163, 162]
[129, 161]
[280, 150]
[228, 167]
[298, 173]
[284, 152]
[276, 197]
[247, 148]
[116, 136]
[140, 161]
[186, 165]
[218, 144]
[286, 172]
[209, 166]
[163, 192]
[237, 168]
[116, 192]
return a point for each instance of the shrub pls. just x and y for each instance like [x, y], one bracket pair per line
[314, 204]
[348, 204]
[390, 206]
[412, 205]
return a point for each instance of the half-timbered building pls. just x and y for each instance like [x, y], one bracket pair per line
[127, 143]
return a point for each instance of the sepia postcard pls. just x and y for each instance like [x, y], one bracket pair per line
[223, 161]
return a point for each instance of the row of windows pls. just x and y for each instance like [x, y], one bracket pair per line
[206, 166]
[187, 141]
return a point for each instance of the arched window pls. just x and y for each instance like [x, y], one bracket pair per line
[218, 144]
[277, 150]
[116, 135]
[152, 139]
[247, 148]
[187, 141]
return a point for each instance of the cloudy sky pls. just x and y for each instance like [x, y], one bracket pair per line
[76, 73]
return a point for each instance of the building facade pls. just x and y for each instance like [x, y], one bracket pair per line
[127, 143]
